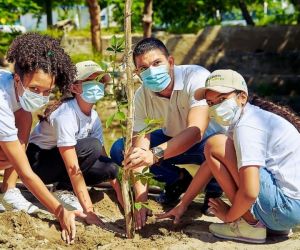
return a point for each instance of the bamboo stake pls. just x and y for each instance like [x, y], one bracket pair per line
[128, 206]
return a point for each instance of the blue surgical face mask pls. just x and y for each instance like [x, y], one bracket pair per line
[156, 78]
[92, 91]
[226, 113]
[31, 101]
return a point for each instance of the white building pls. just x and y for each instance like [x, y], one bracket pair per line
[79, 14]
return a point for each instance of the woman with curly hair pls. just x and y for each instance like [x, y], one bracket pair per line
[40, 64]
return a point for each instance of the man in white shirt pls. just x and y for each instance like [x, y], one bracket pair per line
[167, 93]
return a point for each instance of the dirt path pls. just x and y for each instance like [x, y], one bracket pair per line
[21, 231]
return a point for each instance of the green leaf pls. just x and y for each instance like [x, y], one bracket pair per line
[110, 49]
[148, 175]
[144, 181]
[123, 127]
[104, 65]
[109, 120]
[145, 170]
[138, 205]
[145, 205]
[120, 116]
[114, 41]
[119, 50]
[120, 42]
[123, 105]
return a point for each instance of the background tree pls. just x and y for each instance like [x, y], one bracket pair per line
[137, 10]
[245, 13]
[297, 7]
[12, 9]
[48, 8]
[94, 10]
[147, 18]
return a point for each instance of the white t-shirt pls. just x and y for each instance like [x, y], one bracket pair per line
[262, 138]
[173, 111]
[66, 125]
[8, 105]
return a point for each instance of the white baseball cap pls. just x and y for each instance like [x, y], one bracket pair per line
[87, 68]
[222, 81]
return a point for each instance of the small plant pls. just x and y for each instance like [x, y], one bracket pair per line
[117, 46]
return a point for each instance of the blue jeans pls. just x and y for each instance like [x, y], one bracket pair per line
[272, 207]
[167, 171]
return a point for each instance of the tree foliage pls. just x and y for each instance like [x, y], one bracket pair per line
[190, 15]
[11, 9]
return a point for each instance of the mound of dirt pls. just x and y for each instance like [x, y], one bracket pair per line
[19, 230]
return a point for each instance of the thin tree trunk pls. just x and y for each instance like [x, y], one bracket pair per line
[94, 10]
[147, 18]
[297, 7]
[130, 92]
[48, 6]
[245, 13]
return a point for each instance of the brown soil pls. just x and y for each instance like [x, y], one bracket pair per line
[22, 231]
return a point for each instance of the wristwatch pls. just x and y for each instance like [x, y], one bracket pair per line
[158, 154]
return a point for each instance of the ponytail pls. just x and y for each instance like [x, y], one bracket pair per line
[282, 111]
[54, 106]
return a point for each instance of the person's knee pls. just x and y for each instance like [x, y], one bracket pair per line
[112, 170]
[214, 144]
[95, 144]
[116, 151]
[88, 148]
[108, 169]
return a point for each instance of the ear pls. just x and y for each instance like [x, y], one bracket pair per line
[76, 88]
[171, 61]
[17, 78]
[243, 97]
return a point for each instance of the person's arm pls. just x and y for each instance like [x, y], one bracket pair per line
[16, 155]
[199, 181]
[114, 183]
[23, 122]
[197, 123]
[70, 159]
[244, 198]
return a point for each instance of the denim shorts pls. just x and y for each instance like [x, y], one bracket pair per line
[272, 207]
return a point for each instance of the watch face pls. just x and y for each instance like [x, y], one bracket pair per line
[158, 152]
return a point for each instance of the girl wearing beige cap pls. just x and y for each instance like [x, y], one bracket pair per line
[66, 146]
[257, 163]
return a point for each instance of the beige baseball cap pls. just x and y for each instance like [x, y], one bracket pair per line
[222, 81]
[87, 68]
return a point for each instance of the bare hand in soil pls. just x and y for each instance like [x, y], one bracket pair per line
[93, 219]
[141, 217]
[67, 223]
[219, 208]
[174, 214]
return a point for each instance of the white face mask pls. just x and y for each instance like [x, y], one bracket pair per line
[226, 113]
[31, 101]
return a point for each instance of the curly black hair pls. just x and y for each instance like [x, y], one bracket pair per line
[32, 51]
